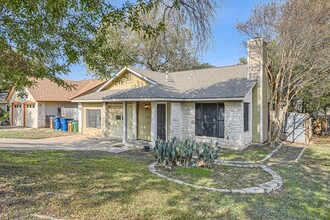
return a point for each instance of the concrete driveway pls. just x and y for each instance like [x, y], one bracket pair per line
[75, 142]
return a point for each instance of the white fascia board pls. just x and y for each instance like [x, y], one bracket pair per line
[120, 72]
[141, 76]
[107, 83]
[250, 90]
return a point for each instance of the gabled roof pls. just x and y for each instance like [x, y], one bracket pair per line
[48, 91]
[225, 83]
[130, 69]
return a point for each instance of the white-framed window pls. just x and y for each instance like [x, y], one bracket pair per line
[93, 118]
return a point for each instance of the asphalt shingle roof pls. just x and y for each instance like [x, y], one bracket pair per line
[222, 82]
[46, 90]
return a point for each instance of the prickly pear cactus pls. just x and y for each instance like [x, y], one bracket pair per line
[181, 153]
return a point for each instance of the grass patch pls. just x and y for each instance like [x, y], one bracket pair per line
[100, 185]
[31, 133]
[286, 154]
[221, 177]
[251, 153]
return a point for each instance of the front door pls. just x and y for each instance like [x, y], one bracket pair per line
[161, 121]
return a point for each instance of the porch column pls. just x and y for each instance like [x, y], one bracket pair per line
[80, 117]
[153, 122]
[134, 122]
[124, 122]
[104, 120]
[36, 114]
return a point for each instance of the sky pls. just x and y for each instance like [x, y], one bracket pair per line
[228, 42]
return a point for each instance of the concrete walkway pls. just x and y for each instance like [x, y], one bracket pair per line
[74, 142]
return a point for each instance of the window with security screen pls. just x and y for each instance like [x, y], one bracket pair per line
[210, 119]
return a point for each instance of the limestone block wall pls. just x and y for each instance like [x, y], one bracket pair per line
[234, 125]
[188, 120]
[234, 137]
[176, 120]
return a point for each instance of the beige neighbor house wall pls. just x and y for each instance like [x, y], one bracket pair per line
[85, 129]
[17, 114]
[257, 56]
[52, 107]
[3, 106]
[126, 81]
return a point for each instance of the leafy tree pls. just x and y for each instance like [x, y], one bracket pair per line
[315, 97]
[41, 39]
[297, 32]
[173, 50]
[242, 60]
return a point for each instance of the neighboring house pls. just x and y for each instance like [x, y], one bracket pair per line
[3, 104]
[227, 104]
[45, 100]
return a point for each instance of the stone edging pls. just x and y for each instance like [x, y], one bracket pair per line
[266, 187]
[254, 162]
[300, 155]
[271, 153]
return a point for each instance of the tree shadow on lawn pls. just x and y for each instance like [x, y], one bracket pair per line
[103, 185]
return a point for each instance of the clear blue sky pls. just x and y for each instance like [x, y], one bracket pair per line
[228, 47]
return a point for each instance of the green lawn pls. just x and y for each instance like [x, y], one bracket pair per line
[251, 153]
[99, 185]
[31, 133]
[221, 177]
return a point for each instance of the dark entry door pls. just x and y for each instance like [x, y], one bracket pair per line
[161, 121]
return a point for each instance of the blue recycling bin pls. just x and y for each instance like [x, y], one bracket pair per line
[64, 123]
[57, 124]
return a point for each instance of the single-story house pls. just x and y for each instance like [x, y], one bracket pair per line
[226, 104]
[45, 100]
[3, 104]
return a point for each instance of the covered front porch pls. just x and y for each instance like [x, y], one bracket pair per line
[131, 122]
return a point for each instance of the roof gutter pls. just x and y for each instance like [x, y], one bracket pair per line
[163, 99]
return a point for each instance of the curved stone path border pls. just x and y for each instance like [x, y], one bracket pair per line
[300, 155]
[259, 161]
[266, 187]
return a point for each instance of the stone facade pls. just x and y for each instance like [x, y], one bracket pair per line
[234, 125]
[176, 129]
[188, 120]
[235, 137]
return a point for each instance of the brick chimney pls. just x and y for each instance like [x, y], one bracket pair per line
[257, 59]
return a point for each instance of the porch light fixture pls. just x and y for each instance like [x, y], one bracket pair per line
[147, 106]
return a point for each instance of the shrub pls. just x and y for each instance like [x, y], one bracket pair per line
[2, 112]
[180, 153]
